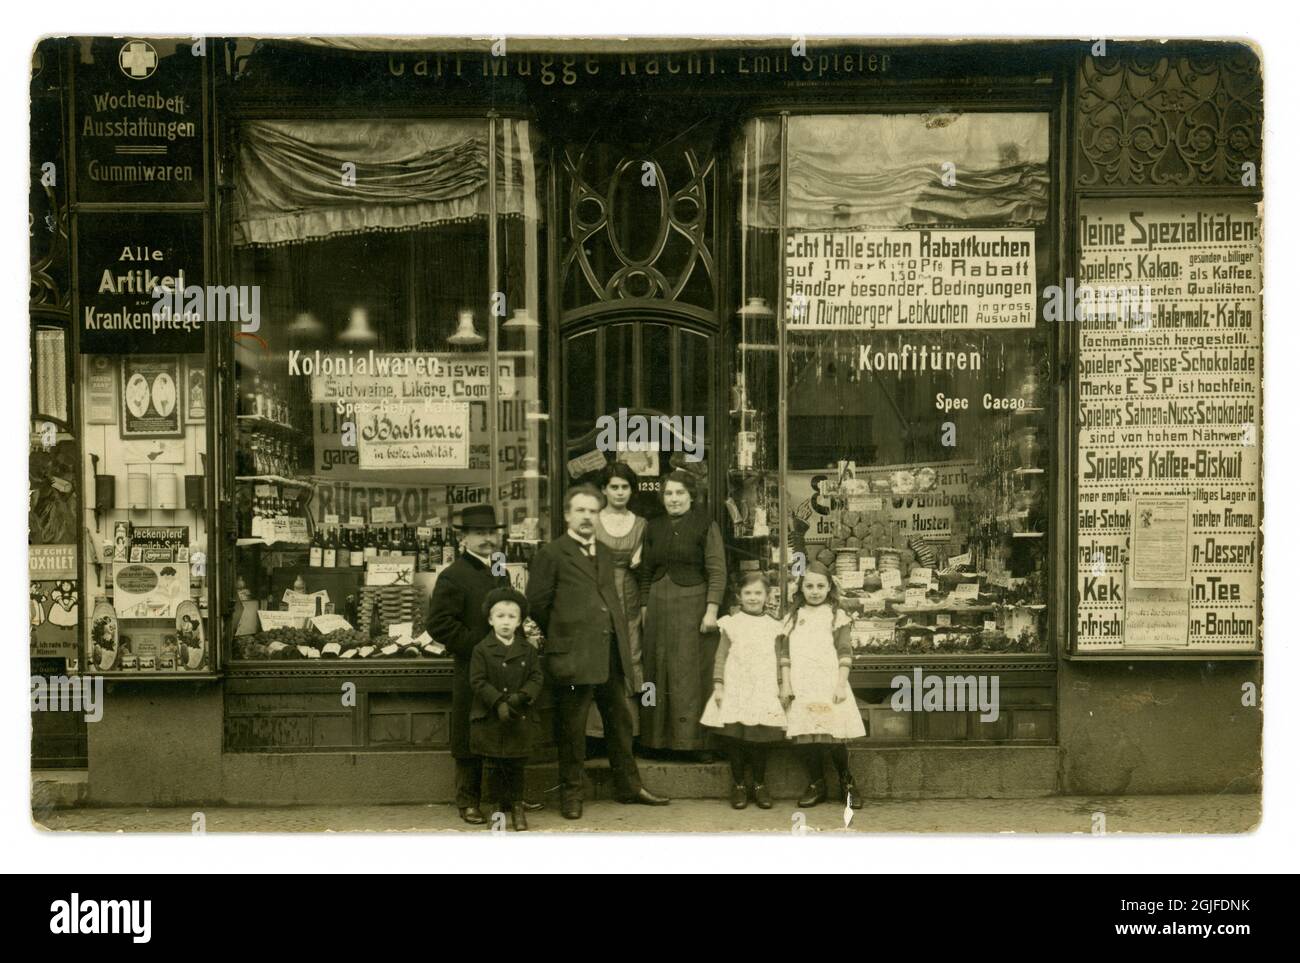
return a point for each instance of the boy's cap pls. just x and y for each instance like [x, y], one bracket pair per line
[505, 595]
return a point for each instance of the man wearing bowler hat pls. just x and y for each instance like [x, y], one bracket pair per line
[457, 621]
[586, 655]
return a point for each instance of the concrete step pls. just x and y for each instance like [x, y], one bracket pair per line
[379, 778]
[898, 772]
[58, 788]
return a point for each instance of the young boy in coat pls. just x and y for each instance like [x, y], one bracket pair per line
[505, 676]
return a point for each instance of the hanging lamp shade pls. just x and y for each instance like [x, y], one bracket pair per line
[756, 308]
[306, 325]
[465, 332]
[358, 330]
[520, 319]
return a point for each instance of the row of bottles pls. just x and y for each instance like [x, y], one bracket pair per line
[265, 399]
[265, 509]
[262, 454]
[352, 546]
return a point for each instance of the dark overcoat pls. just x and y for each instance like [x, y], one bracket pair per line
[497, 670]
[572, 597]
[457, 621]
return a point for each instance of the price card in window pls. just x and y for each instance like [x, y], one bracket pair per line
[920, 576]
[331, 520]
[356, 521]
[289, 529]
[852, 580]
[990, 625]
[279, 620]
[967, 590]
[390, 571]
[867, 563]
[383, 515]
[325, 624]
[890, 578]
[915, 596]
[943, 619]
[424, 531]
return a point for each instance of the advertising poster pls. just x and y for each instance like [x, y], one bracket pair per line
[413, 436]
[1169, 416]
[149, 590]
[151, 397]
[910, 280]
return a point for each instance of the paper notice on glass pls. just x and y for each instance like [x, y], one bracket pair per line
[1161, 542]
[1157, 617]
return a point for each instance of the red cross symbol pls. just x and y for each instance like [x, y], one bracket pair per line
[137, 59]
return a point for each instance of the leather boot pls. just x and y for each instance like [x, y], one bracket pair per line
[517, 818]
[762, 798]
[739, 796]
[814, 794]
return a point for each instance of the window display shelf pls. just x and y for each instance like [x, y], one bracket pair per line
[257, 421]
[278, 480]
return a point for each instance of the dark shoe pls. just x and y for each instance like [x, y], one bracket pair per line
[739, 796]
[644, 797]
[852, 797]
[814, 794]
[472, 815]
[762, 798]
[518, 819]
[571, 809]
[705, 757]
[532, 807]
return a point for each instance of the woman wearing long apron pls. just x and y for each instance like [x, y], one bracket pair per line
[621, 530]
[683, 576]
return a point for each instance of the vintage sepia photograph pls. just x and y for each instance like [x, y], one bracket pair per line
[645, 434]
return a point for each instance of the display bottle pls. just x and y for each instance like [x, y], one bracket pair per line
[449, 548]
[316, 551]
[371, 544]
[356, 551]
[409, 546]
[382, 547]
[435, 549]
[259, 397]
[422, 554]
[330, 550]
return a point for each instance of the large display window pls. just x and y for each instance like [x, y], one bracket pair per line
[891, 393]
[398, 376]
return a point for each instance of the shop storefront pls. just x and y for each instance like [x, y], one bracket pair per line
[843, 285]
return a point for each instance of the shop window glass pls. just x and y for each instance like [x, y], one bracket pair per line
[917, 370]
[367, 419]
[752, 521]
[145, 435]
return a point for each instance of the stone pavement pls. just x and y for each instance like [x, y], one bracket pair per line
[1056, 814]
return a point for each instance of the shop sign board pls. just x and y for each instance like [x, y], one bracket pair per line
[139, 121]
[124, 261]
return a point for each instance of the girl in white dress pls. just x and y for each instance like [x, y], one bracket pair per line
[821, 713]
[746, 703]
